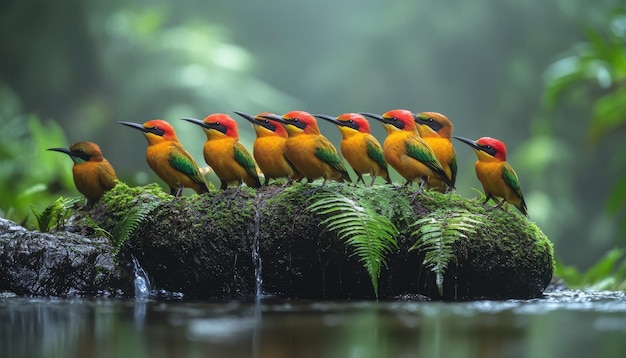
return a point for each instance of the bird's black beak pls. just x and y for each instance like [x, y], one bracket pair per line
[199, 122]
[62, 150]
[471, 143]
[330, 119]
[374, 116]
[264, 123]
[134, 125]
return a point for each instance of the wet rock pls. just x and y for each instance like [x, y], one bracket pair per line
[202, 246]
[60, 264]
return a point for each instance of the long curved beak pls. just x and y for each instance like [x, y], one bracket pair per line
[375, 116]
[62, 150]
[471, 143]
[198, 122]
[134, 125]
[330, 119]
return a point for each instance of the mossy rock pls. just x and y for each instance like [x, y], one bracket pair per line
[202, 245]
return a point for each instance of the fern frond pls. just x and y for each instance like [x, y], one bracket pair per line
[370, 235]
[436, 235]
[125, 228]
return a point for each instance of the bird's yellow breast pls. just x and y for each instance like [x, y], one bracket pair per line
[394, 150]
[269, 153]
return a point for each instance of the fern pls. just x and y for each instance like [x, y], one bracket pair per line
[56, 214]
[370, 235]
[437, 234]
[137, 215]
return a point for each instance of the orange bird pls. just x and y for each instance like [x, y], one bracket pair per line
[406, 151]
[269, 147]
[436, 129]
[224, 153]
[313, 155]
[495, 173]
[93, 175]
[362, 151]
[168, 159]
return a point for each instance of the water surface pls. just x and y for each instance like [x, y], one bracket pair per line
[563, 324]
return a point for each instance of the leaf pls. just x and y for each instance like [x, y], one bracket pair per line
[436, 235]
[370, 235]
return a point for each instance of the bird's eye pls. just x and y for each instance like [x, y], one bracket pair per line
[267, 121]
[430, 119]
[295, 119]
[155, 128]
[350, 121]
[217, 123]
[394, 119]
[488, 147]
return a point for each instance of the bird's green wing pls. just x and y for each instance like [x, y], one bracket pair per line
[375, 152]
[185, 164]
[510, 178]
[422, 152]
[245, 160]
[453, 169]
[329, 155]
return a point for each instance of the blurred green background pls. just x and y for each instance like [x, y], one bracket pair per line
[547, 78]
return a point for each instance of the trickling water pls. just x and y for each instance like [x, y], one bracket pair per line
[142, 281]
[256, 255]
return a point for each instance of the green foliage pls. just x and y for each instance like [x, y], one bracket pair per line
[29, 175]
[56, 214]
[609, 273]
[370, 235]
[436, 235]
[135, 217]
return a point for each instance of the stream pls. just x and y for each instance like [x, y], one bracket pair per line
[564, 323]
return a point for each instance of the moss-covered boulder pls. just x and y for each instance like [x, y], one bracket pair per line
[202, 245]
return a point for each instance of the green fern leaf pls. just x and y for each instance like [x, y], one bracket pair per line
[436, 235]
[370, 235]
[55, 214]
[131, 221]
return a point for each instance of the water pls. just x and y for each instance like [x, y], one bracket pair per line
[143, 288]
[563, 324]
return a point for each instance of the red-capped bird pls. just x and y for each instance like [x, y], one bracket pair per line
[168, 159]
[495, 173]
[406, 151]
[224, 153]
[436, 129]
[269, 148]
[93, 174]
[313, 155]
[360, 148]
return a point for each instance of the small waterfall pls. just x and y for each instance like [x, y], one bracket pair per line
[143, 287]
[256, 254]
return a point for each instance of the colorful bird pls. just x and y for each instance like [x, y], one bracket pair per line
[406, 151]
[93, 174]
[269, 147]
[168, 159]
[495, 173]
[362, 151]
[436, 129]
[313, 155]
[224, 153]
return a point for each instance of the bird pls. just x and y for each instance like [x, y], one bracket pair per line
[168, 159]
[406, 151]
[93, 174]
[360, 148]
[497, 176]
[269, 148]
[223, 151]
[313, 155]
[436, 129]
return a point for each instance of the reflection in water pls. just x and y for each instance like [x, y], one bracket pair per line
[563, 324]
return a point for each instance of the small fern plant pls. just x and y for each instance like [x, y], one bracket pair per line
[131, 221]
[56, 214]
[370, 235]
[436, 235]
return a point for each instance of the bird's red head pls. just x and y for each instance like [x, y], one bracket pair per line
[221, 123]
[157, 130]
[401, 119]
[271, 124]
[493, 147]
[300, 122]
[355, 121]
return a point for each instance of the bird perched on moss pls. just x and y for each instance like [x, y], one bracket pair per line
[168, 159]
[269, 147]
[224, 153]
[360, 148]
[93, 174]
[313, 155]
[406, 151]
[495, 173]
[436, 129]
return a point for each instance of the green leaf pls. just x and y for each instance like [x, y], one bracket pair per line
[370, 235]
